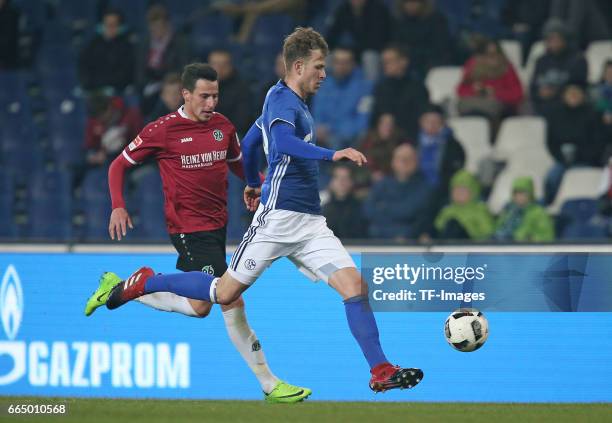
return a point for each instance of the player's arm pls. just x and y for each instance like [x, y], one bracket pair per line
[251, 143]
[120, 218]
[150, 140]
[283, 134]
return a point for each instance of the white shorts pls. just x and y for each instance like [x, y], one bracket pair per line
[303, 238]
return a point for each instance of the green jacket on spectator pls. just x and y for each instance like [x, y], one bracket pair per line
[468, 211]
[524, 219]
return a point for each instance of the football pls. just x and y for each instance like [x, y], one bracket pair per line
[466, 329]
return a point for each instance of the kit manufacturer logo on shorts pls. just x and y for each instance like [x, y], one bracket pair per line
[218, 135]
[250, 264]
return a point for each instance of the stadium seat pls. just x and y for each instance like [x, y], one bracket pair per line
[209, 32]
[501, 193]
[580, 219]
[514, 52]
[95, 205]
[519, 135]
[270, 30]
[50, 206]
[147, 201]
[7, 198]
[473, 133]
[577, 183]
[442, 83]
[596, 55]
[537, 50]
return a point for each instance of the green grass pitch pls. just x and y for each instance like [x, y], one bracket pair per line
[93, 410]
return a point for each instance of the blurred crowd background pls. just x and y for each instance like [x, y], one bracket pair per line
[482, 120]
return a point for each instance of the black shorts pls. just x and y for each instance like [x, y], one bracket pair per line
[201, 251]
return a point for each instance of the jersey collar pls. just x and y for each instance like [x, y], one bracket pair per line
[284, 84]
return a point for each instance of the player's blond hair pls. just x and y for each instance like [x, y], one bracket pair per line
[300, 43]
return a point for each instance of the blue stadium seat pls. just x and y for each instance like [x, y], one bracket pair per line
[96, 205]
[211, 31]
[50, 202]
[270, 30]
[580, 219]
[7, 196]
[147, 201]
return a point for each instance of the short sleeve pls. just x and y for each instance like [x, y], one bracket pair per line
[150, 141]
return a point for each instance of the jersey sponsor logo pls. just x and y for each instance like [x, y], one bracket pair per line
[250, 264]
[192, 161]
[218, 135]
[187, 139]
[135, 144]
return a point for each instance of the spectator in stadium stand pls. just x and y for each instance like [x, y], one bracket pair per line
[561, 63]
[170, 97]
[605, 198]
[398, 92]
[525, 19]
[584, 18]
[603, 101]
[378, 145]
[341, 108]
[466, 217]
[107, 61]
[9, 35]
[523, 219]
[397, 204]
[424, 30]
[111, 125]
[365, 25]
[234, 93]
[343, 210]
[574, 136]
[440, 157]
[489, 86]
[163, 50]
[279, 73]
[471, 19]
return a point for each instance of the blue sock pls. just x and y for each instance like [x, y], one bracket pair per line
[194, 285]
[363, 327]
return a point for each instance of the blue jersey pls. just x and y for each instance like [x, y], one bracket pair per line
[291, 182]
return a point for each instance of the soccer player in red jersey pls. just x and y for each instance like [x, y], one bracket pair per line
[194, 147]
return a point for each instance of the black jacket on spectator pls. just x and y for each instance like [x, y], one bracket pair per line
[452, 160]
[579, 126]
[107, 63]
[404, 98]
[9, 36]
[370, 31]
[344, 217]
[427, 38]
[556, 70]
[176, 55]
[235, 101]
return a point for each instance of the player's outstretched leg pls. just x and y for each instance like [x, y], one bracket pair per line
[363, 326]
[108, 281]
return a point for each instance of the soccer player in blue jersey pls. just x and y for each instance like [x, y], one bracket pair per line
[288, 220]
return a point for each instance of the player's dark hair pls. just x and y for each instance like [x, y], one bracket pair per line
[300, 43]
[195, 71]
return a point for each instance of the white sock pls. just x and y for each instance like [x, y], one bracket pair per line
[168, 301]
[245, 341]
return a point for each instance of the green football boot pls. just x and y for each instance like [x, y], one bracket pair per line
[108, 281]
[284, 393]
